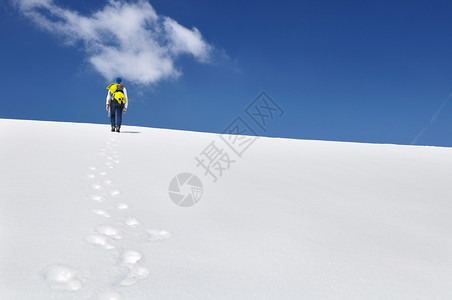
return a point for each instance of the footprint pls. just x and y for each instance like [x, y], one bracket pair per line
[116, 161]
[109, 231]
[100, 212]
[115, 193]
[100, 241]
[96, 187]
[90, 176]
[122, 206]
[102, 173]
[61, 277]
[107, 181]
[156, 235]
[132, 222]
[129, 257]
[92, 168]
[109, 157]
[96, 198]
[136, 273]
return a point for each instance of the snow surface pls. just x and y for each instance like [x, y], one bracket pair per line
[86, 214]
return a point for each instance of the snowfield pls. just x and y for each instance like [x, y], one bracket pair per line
[86, 214]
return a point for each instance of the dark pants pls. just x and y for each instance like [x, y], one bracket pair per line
[116, 110]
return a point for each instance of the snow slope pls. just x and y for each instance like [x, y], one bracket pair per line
[86, 214]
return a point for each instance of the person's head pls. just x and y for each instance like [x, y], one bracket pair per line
[118, 80]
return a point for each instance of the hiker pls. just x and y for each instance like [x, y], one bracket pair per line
[117, 103]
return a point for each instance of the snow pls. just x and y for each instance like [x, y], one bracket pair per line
[85, 214]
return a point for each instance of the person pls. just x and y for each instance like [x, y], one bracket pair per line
[116, 104]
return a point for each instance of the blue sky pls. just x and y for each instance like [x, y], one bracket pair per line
[364, 71]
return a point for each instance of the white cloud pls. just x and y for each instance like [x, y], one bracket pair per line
[122, 39]
[183, 40]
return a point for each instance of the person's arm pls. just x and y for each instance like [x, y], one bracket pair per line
[127, 100]
[108, 100]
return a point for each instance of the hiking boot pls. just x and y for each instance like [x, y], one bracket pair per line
[118, 128]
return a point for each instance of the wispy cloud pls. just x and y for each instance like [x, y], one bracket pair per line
[122, 39]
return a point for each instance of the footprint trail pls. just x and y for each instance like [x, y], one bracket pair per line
[113, 233]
